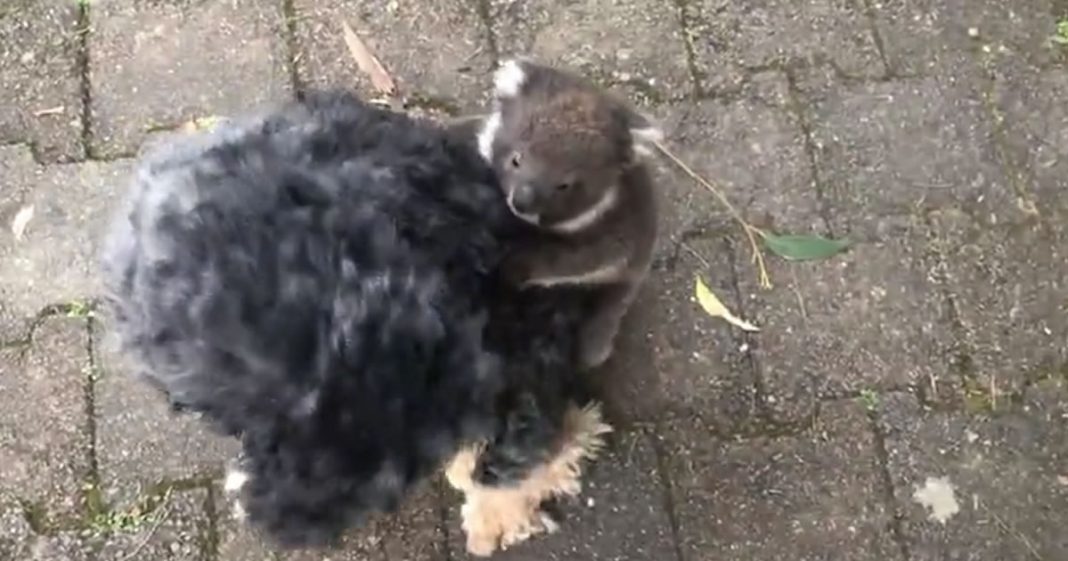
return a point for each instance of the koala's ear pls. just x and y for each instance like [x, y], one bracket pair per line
[510, 77]
[644, 133]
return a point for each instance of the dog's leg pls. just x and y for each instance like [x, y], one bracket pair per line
[235, 480]
[498, 517]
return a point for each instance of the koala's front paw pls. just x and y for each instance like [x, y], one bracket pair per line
[517, 272]
[596, 342]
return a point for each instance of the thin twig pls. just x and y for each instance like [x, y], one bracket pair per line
[152, 531]
[750, 231]
[693, 252]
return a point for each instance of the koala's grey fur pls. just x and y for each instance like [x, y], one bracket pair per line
[569, 157]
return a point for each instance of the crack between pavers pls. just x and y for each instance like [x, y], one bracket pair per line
[897, 519]
[85, 85]
[443, 519]
[289, 16]
[93, 495]
[667, 486]
[683, 13]
[484, 9]
[877, 37]
[1001, 143]
[760, 389]
[212, 539]
[795, 106]
[962, 362]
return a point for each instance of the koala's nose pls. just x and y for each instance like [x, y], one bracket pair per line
[523, 198]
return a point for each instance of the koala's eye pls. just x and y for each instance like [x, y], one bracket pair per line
[515, 160]
[563, 187]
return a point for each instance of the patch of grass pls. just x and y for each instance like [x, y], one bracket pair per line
[869, 399]
[1061, 35]
[78, 309]
[36, 516]
[106, 522]
[978, 397]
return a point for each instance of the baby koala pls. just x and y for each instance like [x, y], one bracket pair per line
[569, 157]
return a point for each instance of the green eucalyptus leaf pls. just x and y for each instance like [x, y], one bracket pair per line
[804, 247]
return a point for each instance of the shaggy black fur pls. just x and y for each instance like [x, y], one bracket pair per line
[319, 283]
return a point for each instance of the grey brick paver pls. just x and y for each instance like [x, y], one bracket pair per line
[435, 50]
[54, 260]
[40, 81]
[44, 438]
[1006, 473]
[817, 495]
[158, 64]
[730, 37]
[637, 44]
[140, 441]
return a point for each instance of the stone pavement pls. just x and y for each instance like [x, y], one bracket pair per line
[906, 400]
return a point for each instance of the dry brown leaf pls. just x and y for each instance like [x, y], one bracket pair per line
[368, 62]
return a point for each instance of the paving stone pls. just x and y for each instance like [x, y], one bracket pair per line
[1008, 280]
[19, 170]
[55, 260]
[817, 495]
[753, 147]
[15, 531]
[44, 440]
[177, 530]
[40, 80]
[435, 50]
[827, 327]
[411, 534]
[18, 541]
[1035, 130]
[620, 515]
[158, 64]
[635, 44]
[932, 36]
[1001, 478]
[884, 148]
[140, 442]
[729, 38]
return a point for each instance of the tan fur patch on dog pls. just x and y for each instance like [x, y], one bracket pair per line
[503, 516]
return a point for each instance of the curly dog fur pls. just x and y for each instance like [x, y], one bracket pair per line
[319, 283]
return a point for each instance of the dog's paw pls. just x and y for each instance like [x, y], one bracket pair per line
[235, 480]
[499, 519]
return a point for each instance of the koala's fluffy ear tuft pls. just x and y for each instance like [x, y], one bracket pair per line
[644, 133]
[509, 79]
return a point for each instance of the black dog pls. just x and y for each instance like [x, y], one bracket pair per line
[320, 284]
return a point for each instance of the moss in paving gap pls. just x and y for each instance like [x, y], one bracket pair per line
[82, 62]
[667, 486]
[796, 107]
[36, 515]
[291, 20]
[877, 37]
[882, 456]
[92, 497]
[208, 535]
[105, 519]
[682, 8]
[448, 106]
[484, 9]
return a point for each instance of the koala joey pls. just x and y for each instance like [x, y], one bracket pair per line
[570, 159]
